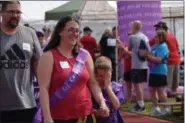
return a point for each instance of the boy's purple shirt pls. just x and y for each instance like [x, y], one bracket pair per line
[115, 116]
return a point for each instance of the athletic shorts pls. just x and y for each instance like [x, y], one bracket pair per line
[139, 75]
[156, 80]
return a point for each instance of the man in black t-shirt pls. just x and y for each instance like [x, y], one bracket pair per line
[108, 48]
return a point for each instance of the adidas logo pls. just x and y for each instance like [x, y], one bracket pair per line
[14, 58]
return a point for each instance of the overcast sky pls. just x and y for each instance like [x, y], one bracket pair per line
[34, 10]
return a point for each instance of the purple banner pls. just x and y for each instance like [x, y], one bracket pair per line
[148, 12]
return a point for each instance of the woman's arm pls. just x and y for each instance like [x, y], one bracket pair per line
[44, 72]
[150, 57]
[124, 50]
[94, 87]
[154, 58]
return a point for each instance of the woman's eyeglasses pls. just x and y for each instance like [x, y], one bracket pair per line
[73, 30]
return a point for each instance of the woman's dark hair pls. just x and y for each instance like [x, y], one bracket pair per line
[55, 38]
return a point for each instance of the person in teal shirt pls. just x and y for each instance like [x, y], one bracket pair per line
[158, 72]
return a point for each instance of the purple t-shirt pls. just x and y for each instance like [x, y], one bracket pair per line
[115, 116]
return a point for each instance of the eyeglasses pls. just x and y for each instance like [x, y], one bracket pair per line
[12, 12]
[73, 30]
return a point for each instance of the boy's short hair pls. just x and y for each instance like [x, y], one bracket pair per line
[103, 62]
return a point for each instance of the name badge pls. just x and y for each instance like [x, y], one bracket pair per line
[64, 64]
[111, 42]
[26, 46]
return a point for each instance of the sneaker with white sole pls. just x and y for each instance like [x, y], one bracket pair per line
[137, 108]
[156, 111]
[165, 111]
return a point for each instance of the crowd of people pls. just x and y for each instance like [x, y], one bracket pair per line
[161, 55]
[75, 85]
[23, 58]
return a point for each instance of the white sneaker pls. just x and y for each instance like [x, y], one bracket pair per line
[156, 111]
[165, 111]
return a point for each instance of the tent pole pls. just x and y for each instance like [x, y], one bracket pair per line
[116, 50]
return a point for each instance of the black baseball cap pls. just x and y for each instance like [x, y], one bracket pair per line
[161, 25]
[86, 29]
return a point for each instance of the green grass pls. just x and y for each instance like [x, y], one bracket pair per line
[148, 105]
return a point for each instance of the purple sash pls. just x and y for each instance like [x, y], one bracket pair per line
[68, 83]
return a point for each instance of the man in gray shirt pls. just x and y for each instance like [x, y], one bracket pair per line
[137, 41]
[139, 67]
[19, 55]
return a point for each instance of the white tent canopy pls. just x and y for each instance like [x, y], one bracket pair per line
[40, 7]
[98, 10]
[102, 10]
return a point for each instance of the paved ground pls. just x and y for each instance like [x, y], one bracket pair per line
[137, 118]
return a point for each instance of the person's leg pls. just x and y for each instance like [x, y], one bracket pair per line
[129, 91]
[163, 98]
[127, 76]
[176, 77]
[139, 94]
[142, 78]
[162, 94]
[170, 76]
[153, 84]
[154, 96]
[18, 116]
[137, 78]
